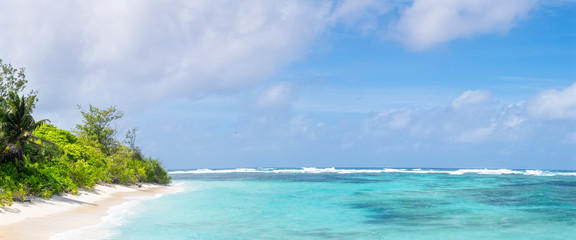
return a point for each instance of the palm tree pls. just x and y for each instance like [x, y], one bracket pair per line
[17, 125]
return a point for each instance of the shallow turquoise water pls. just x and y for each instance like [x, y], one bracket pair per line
[442, 204]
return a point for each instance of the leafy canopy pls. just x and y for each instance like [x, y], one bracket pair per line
[17, 126]
[11, 79]
[97, 128]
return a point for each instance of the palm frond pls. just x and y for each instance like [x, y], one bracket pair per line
[17, 125]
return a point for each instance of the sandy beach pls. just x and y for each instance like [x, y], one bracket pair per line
[42, 218]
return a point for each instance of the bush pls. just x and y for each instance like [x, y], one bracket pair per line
[67, 163]
[155, 173]
[41, 160]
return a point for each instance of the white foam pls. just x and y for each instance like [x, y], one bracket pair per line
[346, 171]
[104, 230]
[484, 171]
[566, 174]
[205, 170]
[116, 216]
[177, 186]
[193, 171]
[540, 173]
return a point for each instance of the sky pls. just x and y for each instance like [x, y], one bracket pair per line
[297, 83]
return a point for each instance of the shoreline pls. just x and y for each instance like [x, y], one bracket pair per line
[44, 218]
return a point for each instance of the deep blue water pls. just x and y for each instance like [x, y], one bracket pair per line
[332, 203]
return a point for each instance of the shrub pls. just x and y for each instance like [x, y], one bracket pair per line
[67, 163]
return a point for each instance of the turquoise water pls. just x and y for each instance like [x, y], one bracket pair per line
[359, 204]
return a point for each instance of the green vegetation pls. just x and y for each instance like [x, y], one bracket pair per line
[38, 159]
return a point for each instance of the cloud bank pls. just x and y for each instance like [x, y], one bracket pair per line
[474, 117]
[554, 104]
[473, 130]
[137, 52]
[141, 51]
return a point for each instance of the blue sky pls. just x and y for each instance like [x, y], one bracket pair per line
[217, 84]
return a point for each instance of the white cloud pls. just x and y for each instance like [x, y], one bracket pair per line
[554, 104]
[513, 121]
[400, 120]
[428, 23]
[136, 52]
[278, 95]
[471, 98]
[471, 117]
[362, 12]
[384, 123]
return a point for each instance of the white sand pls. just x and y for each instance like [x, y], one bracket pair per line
[45, 217]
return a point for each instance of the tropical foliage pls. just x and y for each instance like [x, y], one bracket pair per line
[16, 127]
[39, 159]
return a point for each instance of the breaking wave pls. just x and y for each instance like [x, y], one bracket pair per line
[309, 170]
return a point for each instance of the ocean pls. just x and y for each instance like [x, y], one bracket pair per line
[333, 203]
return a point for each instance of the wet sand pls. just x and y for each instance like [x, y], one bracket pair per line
[43, 218]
